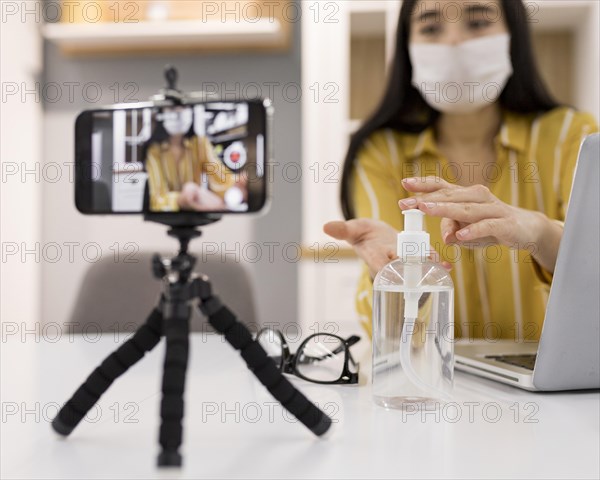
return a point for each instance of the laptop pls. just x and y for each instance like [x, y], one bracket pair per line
[567, 356]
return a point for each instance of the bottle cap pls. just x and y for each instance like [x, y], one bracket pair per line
[413, 241]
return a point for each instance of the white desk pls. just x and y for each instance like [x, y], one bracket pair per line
[234, 429]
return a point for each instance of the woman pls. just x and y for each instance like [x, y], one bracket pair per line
[176, 159]
[467, 133]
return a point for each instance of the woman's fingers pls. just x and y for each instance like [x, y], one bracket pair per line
[193, 197]
[187, 195]
[435, 256]
[361, 230]
[374, 241]
[352, 231]
[377, 259]
[490, 228]
[475, 194]
[337, 230]
[465, 212]
[449, 228]
[425, 184]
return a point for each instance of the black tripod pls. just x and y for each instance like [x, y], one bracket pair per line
[171, 319]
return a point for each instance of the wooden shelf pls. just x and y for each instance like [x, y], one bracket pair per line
[169, 36]
[558, 14]
[360, 6]
[332, 253]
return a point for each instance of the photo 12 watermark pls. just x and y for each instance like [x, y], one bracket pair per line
[471, 11]
[472, 412]
[255, 412]
[69, 92]
[134, 12]
[273, 172]
[251, 252]
[68, 252]
[118, 332]
[39, 412]
[96, 94]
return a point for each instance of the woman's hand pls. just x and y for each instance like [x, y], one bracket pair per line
[374, 241]
[474, 217]
[194, 197]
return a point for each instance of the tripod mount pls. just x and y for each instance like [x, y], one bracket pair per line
[183, 290]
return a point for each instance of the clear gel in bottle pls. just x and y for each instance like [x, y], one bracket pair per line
[413, 325]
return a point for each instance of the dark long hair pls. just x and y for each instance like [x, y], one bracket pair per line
[404, 109]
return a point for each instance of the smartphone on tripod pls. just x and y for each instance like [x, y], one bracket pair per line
[197, 157]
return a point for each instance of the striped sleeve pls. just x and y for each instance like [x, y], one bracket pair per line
[376, 190]
[582, 125]
[219, 177]
[376, 187]
[160, 198]
[575, 127]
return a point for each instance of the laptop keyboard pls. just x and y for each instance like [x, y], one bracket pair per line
[524, 361]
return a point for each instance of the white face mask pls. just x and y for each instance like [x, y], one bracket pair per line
[462, 78]
[178, 122]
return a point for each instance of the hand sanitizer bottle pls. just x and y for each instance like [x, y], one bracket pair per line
[413, 325]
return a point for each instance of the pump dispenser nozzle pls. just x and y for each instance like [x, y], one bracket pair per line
[413, 220]
[413, 243]
[413, 324]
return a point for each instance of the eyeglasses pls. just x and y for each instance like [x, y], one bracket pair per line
[321, 358]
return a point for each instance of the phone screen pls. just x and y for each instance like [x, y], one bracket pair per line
[204, 157]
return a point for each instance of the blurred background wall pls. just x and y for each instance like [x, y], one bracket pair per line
[40, 212]
[324, 79]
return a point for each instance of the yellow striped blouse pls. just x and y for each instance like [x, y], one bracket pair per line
[499, 292]
[166, 177]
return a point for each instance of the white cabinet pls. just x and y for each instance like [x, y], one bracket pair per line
[346, 47]
[128, 190]
[344, 54]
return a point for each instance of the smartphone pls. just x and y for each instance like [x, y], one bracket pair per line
[195, 157]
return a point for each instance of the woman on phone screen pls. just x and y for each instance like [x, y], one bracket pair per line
[177, 160]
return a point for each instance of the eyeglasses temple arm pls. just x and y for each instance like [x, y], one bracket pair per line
[352, 340]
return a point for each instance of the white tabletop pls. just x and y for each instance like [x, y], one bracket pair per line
[234, 429]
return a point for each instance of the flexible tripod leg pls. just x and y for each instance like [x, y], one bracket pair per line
[226, 323]
[173, 317]
[117, 363]
[177, 328]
